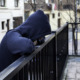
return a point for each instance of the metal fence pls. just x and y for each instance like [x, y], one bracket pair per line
[45, 63]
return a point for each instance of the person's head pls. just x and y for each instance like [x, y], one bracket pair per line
[36, 26]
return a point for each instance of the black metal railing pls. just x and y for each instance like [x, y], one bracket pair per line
[45, 63]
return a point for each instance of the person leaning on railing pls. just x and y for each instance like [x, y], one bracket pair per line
[22, 40]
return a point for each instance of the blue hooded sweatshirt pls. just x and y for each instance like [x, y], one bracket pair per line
[19, 41]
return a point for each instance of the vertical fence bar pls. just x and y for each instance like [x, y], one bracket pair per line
[37, 66]
[38, 55]
[52, 60]
[16, 77]
[26, 72]
[47, 71]
[42, 63]
[40, 66]
[34, 68]
[21, 74]
[30, 70]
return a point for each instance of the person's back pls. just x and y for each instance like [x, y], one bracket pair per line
[19, 41]
[12, 48]
[6, 58]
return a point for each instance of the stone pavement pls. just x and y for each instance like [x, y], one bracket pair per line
[71, 47]
[72, 69]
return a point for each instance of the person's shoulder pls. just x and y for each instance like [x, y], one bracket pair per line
[12, 33]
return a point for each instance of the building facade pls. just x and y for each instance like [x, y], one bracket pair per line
[78, 11]
[11, 14]
[66, 10]
[48, 6]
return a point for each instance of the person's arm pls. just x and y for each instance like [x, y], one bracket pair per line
[20, 45]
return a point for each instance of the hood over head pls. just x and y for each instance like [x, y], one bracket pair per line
[36, 26]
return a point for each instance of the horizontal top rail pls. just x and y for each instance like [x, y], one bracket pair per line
[16, 66]
[60, 29]
[11, 70]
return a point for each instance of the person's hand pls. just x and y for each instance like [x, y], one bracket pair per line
[39, 41]
[35, 42]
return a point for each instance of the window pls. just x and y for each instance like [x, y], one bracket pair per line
[17, 21]
[33, 1]
[2, 3]
[8, 21]
[16, 3]
[25, 0]
[79, 19]
[58, 14]
[52, 1]
[67, 6]
[53, 15]
[47, 16]
[2, 25]
[26, 14]
[49, 1]
[67, 1]
[59, 23]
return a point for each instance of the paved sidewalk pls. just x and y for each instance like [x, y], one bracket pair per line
[71, 47]
[72, 70]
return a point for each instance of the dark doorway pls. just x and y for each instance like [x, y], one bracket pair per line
[17, 21]
[8, 24]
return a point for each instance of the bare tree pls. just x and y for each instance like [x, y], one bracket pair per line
[37, 4]
[33, 4]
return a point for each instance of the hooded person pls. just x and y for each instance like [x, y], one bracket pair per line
[19, 41]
